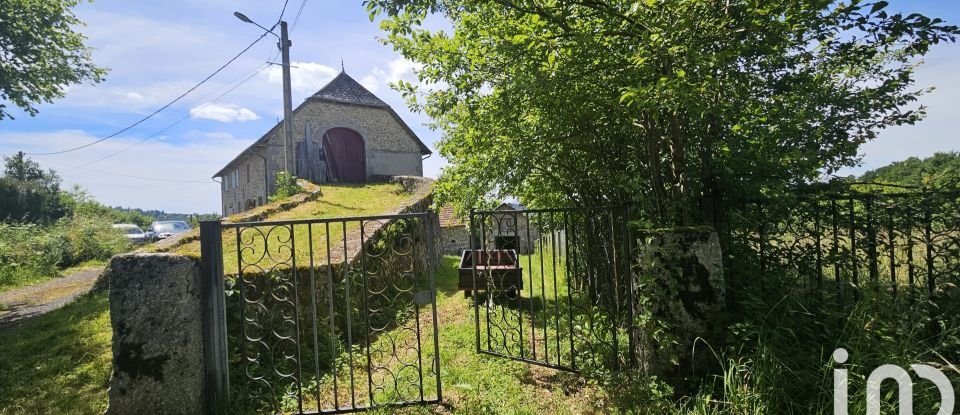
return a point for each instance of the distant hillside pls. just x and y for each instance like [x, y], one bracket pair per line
[161, 215]
[941, 171]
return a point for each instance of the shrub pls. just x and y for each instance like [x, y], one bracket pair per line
[90, 238]
[286, 186]
[31, 252]
[28, 252]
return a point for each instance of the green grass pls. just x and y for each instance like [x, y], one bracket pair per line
[337, 201]
[481, 384]
[472, 383]
[30, 279]
[59, 362]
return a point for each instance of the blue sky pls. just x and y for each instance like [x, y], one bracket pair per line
[157, 50]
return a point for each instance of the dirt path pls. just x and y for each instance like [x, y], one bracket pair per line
[26, 302]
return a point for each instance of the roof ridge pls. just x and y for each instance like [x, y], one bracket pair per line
[343, 88]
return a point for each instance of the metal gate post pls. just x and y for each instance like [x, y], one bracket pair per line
[212, 292]
[433, 240]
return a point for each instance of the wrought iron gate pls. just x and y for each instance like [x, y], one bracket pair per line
[551, 287]
[327, 315]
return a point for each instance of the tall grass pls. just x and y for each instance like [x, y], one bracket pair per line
[779, 359]
[30, 253]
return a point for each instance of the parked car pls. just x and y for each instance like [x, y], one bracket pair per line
[166, 229]
[132, 232]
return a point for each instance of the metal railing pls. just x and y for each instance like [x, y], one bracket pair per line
[329, 315]
[552, 286]
[845, 243]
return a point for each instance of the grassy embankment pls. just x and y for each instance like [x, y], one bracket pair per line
[60, 362]
[337, 201]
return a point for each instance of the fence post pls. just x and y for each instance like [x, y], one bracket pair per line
[212, 293]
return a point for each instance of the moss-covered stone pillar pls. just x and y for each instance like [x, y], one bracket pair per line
[155, 311]
[678, 299]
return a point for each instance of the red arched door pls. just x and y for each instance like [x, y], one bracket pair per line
[346, 157]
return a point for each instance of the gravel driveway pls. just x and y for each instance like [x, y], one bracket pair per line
[23, 303]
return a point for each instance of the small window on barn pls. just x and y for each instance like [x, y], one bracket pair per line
[259, 200]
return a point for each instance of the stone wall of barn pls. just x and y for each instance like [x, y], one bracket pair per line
[247, 185]
[390, 150]
[454, 240]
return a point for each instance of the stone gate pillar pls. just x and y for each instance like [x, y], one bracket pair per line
[679, 294]
[158, 348]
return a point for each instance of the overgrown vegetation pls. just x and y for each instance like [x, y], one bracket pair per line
[655, 102]
[46, 229]
[779, 359]
[286, 186]
[698, 112]
[30, 252]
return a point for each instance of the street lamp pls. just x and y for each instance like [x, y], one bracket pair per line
[284, 46]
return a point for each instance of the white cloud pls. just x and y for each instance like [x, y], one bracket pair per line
[305, 77]
[397, 69]
[136, 96]
[219, 135]
[223, 112]
[372, 81]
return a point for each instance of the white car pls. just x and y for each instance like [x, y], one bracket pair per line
[166, 229]
[132, 232]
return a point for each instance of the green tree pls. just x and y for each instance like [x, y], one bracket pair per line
[41, 53]
[939, 171]
[655, 102]
[27, 192]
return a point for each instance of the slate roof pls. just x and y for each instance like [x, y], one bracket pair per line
[343, 89]
[511, 206]
[346, 90]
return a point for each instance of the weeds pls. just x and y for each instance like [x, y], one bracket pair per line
[30, 253]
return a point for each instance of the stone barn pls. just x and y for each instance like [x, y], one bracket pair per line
[341, 134]
[509, 229]
[454, 232]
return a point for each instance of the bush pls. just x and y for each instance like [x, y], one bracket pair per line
[286, 186]
[32, 252]
[780, 359]
[29, 252]
[90, 238]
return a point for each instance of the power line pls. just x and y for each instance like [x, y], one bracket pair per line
[297, 18]
[156, 179]
[175, 123]
[283, 10]
[125, 129]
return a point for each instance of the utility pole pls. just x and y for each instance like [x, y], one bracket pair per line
[287, 97]
[284, 45]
